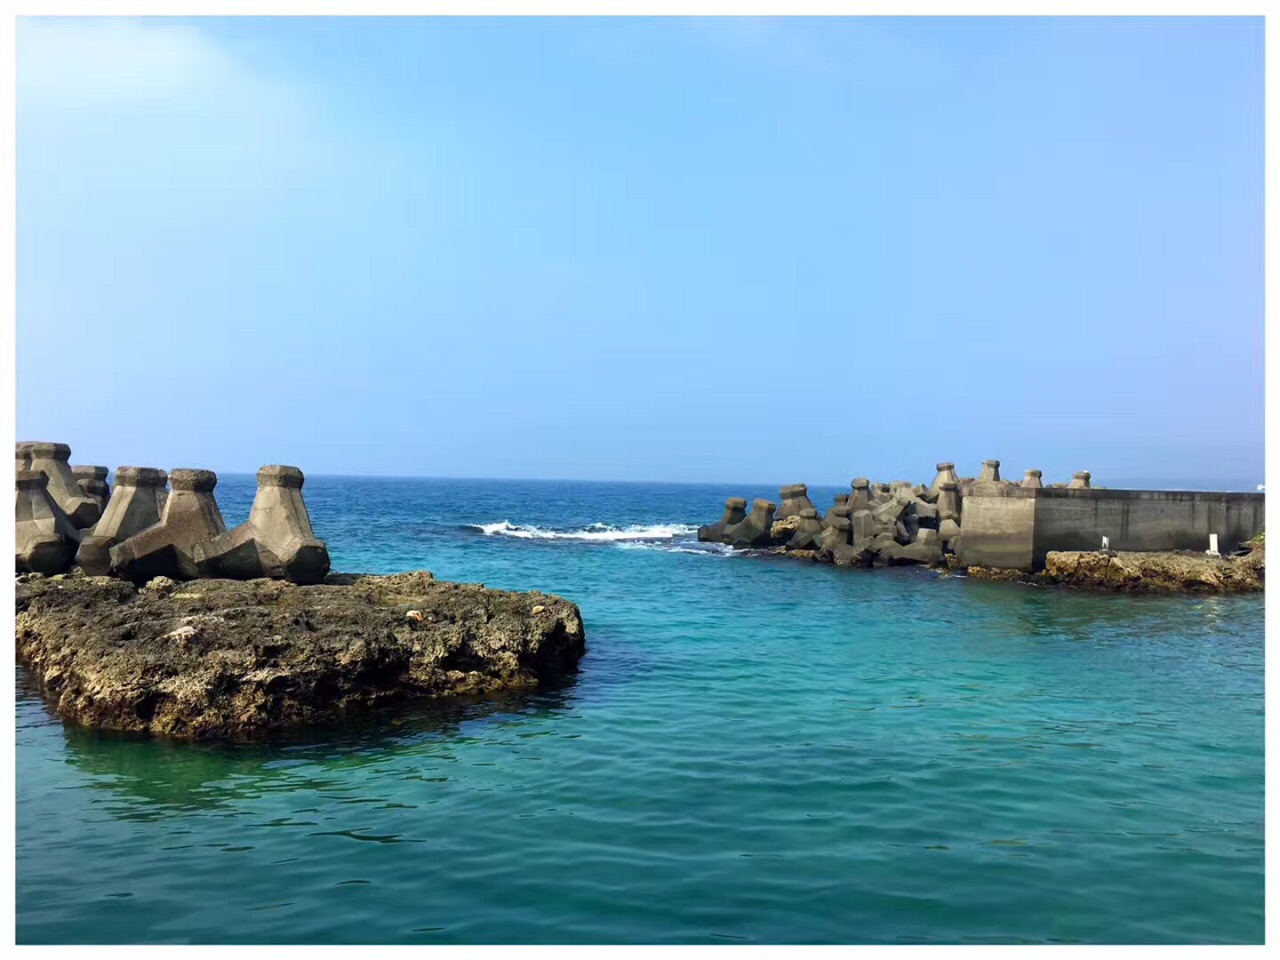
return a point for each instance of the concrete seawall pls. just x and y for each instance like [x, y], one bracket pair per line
[1015, 527]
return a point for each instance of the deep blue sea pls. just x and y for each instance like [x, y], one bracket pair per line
[755, 750]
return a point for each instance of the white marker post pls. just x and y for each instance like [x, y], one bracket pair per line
[1213, 546]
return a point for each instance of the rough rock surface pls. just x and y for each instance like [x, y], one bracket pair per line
[1157, 572]
[998, 573]
[233, 659]
[782, 529]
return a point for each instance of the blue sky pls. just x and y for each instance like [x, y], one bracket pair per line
[687, 249]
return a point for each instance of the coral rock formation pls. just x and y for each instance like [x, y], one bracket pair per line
[230, 659]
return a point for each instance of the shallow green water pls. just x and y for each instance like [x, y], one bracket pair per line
[754, 750]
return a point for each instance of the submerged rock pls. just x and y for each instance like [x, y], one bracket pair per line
[230, 659]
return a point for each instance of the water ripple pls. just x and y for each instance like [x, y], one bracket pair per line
[754, 751]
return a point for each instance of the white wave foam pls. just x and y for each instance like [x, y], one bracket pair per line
[702, 550]
[595, 531]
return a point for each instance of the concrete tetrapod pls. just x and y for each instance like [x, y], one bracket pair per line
[840, 500]
[165, 549]
[795, 500]
[93, 481]
[946, 472]
[755, 530]
[45, 539]
[829, 539]
[862, 526]
[861, 495]
[807, 531]
[276, 541]
[949, 501]
[838, 516]
[735, 511]
[138, 503]
[52, 459]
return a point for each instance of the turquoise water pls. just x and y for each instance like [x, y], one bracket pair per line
[754, 750]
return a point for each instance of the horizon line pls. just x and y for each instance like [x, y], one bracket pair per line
[1187, 481]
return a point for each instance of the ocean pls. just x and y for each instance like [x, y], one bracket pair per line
[754, 750]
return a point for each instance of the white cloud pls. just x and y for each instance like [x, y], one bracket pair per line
[149, 64]
[119, 108]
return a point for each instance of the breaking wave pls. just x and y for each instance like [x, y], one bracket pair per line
[685, 546]
[595, 531]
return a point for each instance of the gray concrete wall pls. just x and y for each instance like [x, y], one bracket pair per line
[998, 530]
[1144, 519]
[1015, 528]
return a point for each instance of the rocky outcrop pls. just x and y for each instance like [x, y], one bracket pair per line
[225, 659]
[783, 530]
[1153, 572]
[1156, 572]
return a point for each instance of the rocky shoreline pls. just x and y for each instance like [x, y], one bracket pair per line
[1109, 570]
[1166, 572]
[233, 660]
